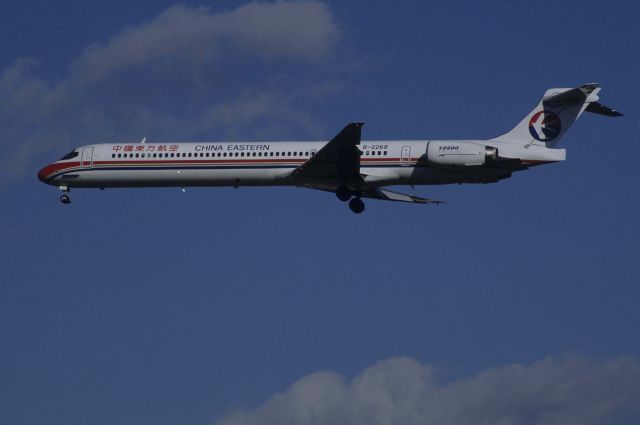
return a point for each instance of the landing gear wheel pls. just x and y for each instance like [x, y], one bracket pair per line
[343, 193]
[65, 199]
[356, 205]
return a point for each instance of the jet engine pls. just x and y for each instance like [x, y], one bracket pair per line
[460, 154]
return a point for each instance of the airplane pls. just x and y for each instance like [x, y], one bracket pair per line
[351, 168]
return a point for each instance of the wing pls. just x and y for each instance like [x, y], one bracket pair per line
[388, 195]
[339, 159]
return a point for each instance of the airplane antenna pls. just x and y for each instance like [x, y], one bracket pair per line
[144, 139]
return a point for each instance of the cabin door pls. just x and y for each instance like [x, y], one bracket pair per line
[405, 157]
[87, 158]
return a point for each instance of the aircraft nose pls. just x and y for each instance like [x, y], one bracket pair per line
[44, 172]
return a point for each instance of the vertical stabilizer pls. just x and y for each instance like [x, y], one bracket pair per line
[556, 112]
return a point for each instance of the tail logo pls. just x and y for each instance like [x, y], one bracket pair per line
[545, 126]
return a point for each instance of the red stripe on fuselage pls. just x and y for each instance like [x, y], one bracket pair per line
[59, 167]
[227, 161]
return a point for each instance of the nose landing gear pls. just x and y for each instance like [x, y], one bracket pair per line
[64, 198]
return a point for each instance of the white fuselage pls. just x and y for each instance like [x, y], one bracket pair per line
[382, 163]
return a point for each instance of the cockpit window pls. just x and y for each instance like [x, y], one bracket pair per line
[70, 155]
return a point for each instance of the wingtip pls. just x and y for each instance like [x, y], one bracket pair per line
[419, 200]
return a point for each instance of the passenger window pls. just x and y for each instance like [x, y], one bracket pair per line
[295, 153]
[306, 154]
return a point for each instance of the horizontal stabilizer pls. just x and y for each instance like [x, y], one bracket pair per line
[600, 109]
[569, 96]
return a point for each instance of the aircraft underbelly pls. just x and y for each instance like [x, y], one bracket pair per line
[178, 178]
[430, 176]
[422, 175]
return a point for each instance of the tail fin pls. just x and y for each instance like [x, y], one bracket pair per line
[555, 114]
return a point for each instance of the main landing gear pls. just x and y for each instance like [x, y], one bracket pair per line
[64, 198]
[355, 204]
[343, 193]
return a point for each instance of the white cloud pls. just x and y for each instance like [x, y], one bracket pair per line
[302, 30]
[187, 73]
[566, 391]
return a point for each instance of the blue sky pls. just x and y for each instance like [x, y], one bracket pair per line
[260, 305]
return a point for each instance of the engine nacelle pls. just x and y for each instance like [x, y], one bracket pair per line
[460, 154]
